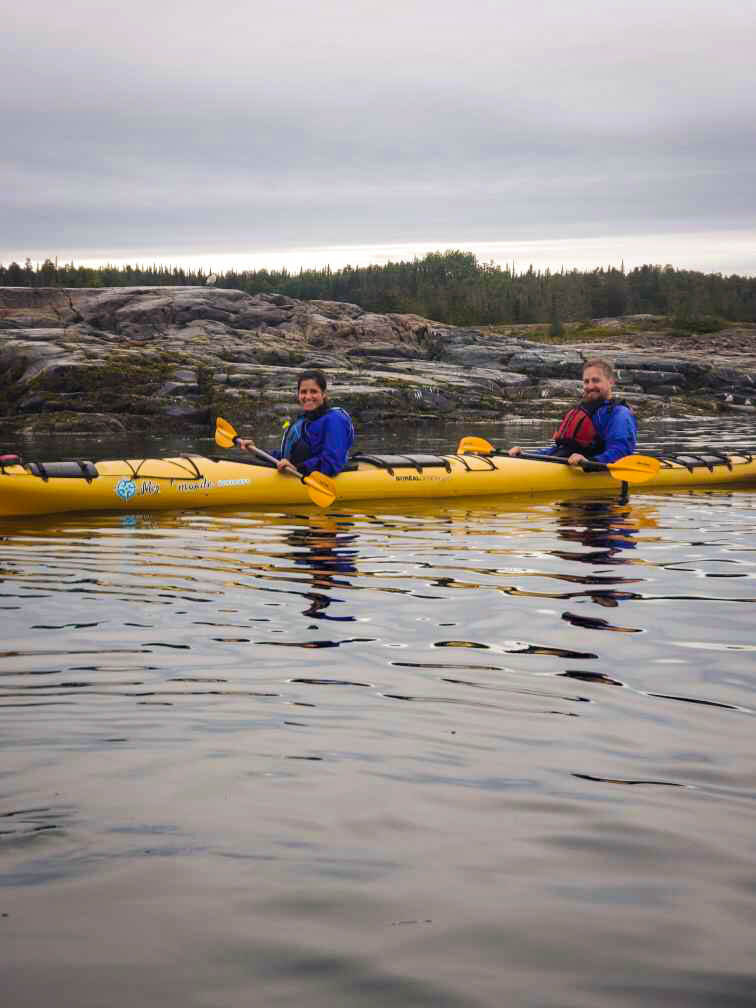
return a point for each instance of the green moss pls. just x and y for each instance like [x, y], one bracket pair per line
[685, 323]
[10, 392]
[116, 375]
[241, 409]
[67, 421]
[205, 382]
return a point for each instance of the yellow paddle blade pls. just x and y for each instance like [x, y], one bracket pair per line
[224, 433]
[475, 444]
[321, 489]
[634, 468]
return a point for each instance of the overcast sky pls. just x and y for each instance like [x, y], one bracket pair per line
[157, 129]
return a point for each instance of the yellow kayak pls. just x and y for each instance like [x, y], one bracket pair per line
[195, 482]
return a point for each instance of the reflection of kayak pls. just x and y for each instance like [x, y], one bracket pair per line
[195, 482]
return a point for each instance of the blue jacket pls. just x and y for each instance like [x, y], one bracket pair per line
[325, 442]
[616, 425]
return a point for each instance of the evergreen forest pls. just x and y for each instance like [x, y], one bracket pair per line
[453, 287]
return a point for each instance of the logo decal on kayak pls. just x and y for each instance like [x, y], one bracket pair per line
[202, 484]
[125, 488]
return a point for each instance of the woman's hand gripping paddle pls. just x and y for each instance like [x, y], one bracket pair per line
[320, 487]
[630, 469]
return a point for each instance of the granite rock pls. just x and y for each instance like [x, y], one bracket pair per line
[185, 354]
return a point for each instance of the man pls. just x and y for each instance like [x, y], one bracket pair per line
[599, 428]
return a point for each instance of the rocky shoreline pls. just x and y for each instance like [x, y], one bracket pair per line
[128, 359]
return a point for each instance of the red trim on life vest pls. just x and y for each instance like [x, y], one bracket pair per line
[577, 430]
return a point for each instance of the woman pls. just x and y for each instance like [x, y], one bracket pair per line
[319, 439]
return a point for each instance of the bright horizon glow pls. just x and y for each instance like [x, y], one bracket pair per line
[725, 252]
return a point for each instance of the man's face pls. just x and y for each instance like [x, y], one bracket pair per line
[596, 385]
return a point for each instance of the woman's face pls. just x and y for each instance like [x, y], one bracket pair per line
[310, 395]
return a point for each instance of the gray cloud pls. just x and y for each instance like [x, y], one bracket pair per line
[366, 122]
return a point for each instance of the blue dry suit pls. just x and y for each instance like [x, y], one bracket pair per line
[319, 441]
[616, 428]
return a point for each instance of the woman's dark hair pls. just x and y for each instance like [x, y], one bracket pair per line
[313, 375]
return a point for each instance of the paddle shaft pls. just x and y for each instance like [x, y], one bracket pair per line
[271, 458]
[264, 455]
[586, 466]
[481, 445]
[224, 430]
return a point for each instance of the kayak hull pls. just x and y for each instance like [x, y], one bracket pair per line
[195, 482]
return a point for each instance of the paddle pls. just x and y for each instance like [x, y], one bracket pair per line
[630, 469]
[320, 487]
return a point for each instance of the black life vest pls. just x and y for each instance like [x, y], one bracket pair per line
[294, 444]
[577, 432]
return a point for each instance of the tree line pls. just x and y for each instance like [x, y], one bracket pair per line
[452, 287]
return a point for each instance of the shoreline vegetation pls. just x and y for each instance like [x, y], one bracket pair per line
[452, 287]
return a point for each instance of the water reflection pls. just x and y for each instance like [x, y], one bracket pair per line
[605, 527]
[200, 746]
[325, 546]
[614, 526]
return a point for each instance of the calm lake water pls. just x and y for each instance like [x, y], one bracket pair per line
[464, 754]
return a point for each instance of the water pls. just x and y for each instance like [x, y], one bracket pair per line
[447, 755]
